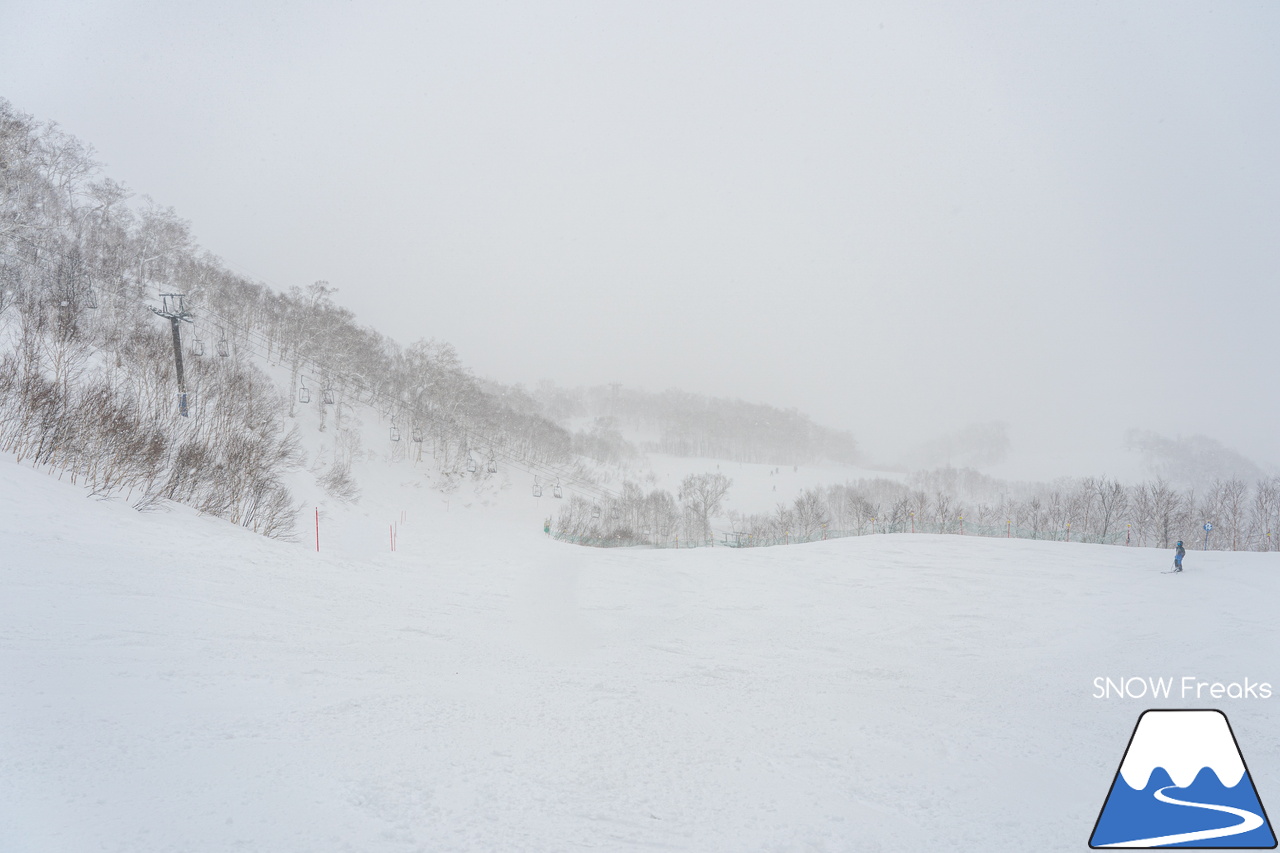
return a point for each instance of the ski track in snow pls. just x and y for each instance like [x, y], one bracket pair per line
[1248, 822]
[170, 682]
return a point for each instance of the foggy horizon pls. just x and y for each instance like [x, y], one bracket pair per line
[901, 222]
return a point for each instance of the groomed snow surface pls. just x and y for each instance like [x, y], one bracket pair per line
[169, 682]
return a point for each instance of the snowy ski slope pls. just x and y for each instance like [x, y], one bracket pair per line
[170, 682]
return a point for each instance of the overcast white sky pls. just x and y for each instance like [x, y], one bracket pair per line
[899, 218]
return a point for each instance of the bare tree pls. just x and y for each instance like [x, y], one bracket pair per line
[703, 495]
[1234, 511]
[1112, 500]
[1265, 514]
[1167, 510]
[810, 513]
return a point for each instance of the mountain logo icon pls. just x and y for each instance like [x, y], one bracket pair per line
[1183, 783]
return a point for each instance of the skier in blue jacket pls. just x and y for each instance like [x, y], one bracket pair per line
[1178, 555]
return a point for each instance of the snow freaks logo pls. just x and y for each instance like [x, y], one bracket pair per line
[1183, 783]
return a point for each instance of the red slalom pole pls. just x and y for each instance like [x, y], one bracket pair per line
[317, 528]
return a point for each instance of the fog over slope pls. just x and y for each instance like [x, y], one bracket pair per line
[95, 388]
[899, 219]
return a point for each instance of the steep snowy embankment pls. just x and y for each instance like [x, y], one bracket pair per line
[172, 683]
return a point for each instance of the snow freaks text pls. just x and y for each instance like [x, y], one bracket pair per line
[1186, 687]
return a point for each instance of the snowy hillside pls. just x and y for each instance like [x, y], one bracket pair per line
[171, 682]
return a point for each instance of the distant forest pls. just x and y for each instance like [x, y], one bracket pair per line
[684, 424]
[1240, 516]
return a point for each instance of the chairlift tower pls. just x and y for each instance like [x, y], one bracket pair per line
[176, 312]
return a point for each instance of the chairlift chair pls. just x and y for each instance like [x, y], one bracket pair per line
[90, 298]
[537, 490]
[471, 465]
[328, 396]
[304, 396]
[395, 433]
[556, 490]
[491, 467]
[197, 348]
[417, 434]
[224, 348]
[595, 513]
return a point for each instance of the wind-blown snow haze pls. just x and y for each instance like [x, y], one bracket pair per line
[901, 219]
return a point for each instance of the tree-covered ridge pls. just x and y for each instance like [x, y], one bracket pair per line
[684, 424]
[88, 380]
[1242, 516]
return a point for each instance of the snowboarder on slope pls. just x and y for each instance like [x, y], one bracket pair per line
[1177, 557]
